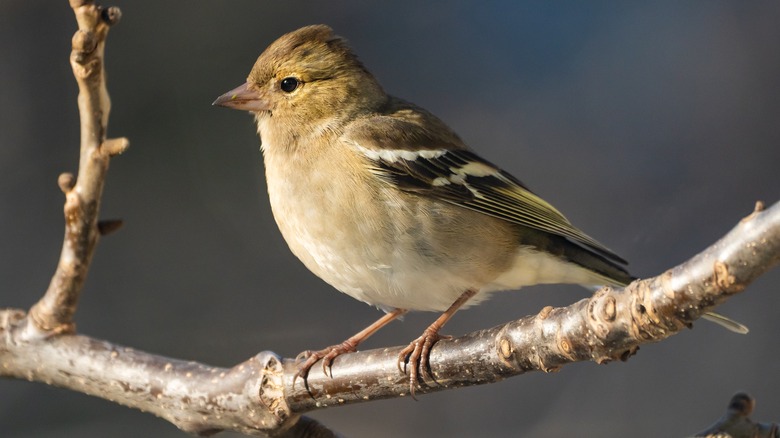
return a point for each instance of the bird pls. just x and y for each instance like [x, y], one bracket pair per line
[382, 200]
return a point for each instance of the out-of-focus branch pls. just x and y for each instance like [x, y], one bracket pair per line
[54, 312]
[737, 423]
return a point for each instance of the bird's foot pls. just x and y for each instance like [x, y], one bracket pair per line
[416, 355]
[326, 354]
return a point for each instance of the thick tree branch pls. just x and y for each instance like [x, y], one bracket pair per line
[196, 398]
[610, 325]
[257, 396]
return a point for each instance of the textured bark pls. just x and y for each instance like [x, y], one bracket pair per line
[610, 325]
[257, 396]
[54, 312]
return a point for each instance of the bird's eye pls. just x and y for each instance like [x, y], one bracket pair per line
[288, 85]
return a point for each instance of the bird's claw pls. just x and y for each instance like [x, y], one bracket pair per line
[416, 355]
[326, 354]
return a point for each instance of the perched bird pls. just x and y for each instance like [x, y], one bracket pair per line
[379, 198]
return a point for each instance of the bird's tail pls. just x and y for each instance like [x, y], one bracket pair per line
[727, 323]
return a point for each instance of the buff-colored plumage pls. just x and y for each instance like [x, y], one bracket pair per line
[383, 201]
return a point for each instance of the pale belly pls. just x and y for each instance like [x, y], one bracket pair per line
[402, 278]
[406, 262]
[373, 264]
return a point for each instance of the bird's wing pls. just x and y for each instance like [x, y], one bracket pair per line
[454, 174]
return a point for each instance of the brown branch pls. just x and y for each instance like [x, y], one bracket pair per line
[196, 398]
[257, 395]
[41, 345]
[610, 325]
[54, 312]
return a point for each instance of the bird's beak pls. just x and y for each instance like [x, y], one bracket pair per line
[243, 98]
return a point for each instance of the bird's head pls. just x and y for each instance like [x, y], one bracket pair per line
[306, 76]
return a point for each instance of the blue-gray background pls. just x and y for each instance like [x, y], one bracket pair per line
[653, 125]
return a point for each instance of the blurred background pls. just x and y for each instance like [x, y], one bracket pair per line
[653, 126]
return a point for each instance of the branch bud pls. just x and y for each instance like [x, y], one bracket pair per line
[111, 15]
[84, 41]
[66, 181]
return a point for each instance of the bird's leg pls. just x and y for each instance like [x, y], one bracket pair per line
[417, 353]
[350, 345]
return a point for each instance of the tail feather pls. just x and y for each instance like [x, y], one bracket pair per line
[604, 268]
[725, 322]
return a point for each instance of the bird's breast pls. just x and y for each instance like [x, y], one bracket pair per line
[373, 242]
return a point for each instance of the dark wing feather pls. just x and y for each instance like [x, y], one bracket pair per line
[417, 152]
[463, 178]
